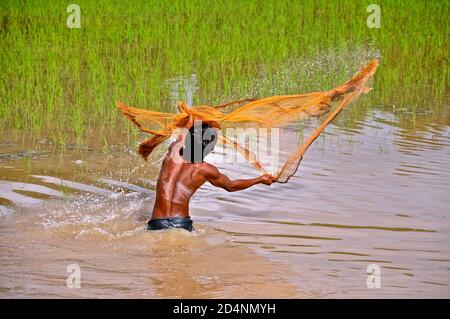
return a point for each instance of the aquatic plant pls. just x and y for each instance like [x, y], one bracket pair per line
[55, 79]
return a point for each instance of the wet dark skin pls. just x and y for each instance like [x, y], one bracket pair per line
[179, 180]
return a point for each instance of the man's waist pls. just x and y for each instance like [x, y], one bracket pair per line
[170, 222]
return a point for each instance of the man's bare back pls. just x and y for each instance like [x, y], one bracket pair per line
[179, 180]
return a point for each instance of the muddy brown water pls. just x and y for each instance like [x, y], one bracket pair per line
[375, 193]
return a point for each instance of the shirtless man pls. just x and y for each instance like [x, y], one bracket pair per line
[183, 171]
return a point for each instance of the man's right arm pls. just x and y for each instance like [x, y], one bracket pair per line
[218, 179]
[175, 147]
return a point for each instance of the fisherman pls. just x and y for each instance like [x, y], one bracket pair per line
[184, 170]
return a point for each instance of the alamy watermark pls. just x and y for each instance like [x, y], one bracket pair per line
[242, 145]
[74, 19]
[374, 19]
[74, 278]
[373, 280]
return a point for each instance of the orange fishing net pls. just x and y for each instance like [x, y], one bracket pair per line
[271, 112]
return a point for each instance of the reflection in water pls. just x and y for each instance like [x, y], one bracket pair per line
[375, 191]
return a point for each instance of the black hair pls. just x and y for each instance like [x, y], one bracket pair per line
[201, 137]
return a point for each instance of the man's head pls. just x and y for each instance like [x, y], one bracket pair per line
[199, 142]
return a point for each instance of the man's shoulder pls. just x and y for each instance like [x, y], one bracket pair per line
[207, 169]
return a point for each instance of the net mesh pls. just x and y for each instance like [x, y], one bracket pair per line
[272, 112]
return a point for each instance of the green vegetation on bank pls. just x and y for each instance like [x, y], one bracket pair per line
[65, 81]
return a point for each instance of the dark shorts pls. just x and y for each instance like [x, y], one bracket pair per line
[171, 222]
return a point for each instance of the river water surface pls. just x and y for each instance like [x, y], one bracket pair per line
[373, 194]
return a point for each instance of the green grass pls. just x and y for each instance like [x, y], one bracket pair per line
[63, 82]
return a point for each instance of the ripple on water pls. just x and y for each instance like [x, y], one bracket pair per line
[373, 192]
